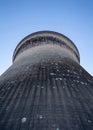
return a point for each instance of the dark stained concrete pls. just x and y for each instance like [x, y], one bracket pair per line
[46, 89]
[52, 96]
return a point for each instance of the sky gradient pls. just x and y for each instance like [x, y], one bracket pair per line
[73, 18]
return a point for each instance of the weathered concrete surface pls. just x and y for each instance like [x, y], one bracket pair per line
[49, 92]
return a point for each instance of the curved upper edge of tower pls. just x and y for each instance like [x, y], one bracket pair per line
[55, 36]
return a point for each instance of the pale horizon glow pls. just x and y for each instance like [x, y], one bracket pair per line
[72, 18]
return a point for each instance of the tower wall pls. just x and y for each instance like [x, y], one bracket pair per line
[46, 88]
[48, 38]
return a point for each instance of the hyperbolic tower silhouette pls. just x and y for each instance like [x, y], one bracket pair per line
[46, 88]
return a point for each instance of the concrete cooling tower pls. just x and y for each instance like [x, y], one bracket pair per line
[46, 88]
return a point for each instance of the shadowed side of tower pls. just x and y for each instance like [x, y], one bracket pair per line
[46, 88]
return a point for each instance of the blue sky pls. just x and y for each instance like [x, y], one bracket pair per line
[73, 18]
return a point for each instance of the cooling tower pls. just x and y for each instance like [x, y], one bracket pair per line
[46, 88]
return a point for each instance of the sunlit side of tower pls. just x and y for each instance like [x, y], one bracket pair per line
[46, 88]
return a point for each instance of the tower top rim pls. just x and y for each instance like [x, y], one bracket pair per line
[44, 32]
